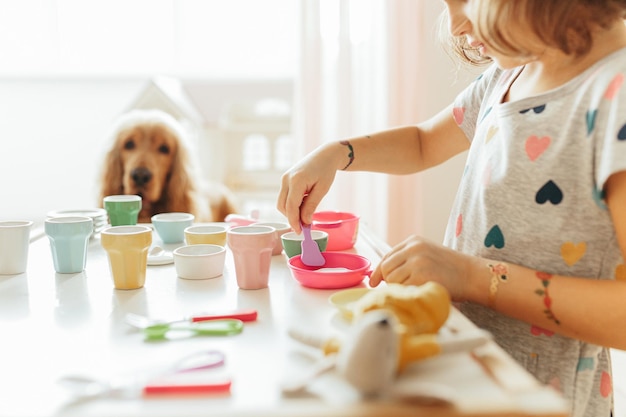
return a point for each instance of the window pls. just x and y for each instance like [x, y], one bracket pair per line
[183, 38]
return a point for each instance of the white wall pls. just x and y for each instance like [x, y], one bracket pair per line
[51, 139]
[54, 132]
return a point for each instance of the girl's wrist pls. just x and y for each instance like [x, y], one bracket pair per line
[480, 282]
[350, 153]
[341, 153]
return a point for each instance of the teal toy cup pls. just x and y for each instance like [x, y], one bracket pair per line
[68, 238]
[123, 210]
[171, 226]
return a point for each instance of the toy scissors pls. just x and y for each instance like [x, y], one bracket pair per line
[170, 382]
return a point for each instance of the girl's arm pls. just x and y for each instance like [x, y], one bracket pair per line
[402, 150]
[586, 309]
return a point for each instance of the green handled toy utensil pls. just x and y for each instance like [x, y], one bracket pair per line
[201, 328]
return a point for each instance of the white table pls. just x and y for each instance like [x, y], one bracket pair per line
[54, 324]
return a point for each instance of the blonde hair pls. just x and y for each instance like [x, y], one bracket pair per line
[567, 25]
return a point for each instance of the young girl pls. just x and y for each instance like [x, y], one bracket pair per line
[536, 241]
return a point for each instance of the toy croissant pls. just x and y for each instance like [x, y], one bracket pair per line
[419, 310]
[393, 326]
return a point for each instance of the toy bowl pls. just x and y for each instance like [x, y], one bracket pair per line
[342, 228]
[344, 300]
[202, 261]
[341, 270]
[292, 242]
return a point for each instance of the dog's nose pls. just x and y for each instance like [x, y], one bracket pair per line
[141, 176]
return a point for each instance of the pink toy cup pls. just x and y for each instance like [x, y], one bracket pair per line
[252, 248]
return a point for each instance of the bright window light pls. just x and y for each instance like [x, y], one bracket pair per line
[193, 38]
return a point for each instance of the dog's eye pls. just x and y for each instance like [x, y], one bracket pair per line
[129, 145]
[164, 149]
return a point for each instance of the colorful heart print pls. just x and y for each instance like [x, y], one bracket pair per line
[549, 192]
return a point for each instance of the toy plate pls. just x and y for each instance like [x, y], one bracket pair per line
[341, 270]
[344, 299]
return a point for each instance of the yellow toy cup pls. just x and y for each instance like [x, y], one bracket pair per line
[206, 235]
[127, 248]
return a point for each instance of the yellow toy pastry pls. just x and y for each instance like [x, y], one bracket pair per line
[393, 326]
[420, 310]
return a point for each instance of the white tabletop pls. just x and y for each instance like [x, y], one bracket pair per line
[53, 325]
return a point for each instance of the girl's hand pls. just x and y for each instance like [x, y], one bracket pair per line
[305, 184]
[416, 261]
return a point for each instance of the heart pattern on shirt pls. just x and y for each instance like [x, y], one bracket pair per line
[585, 364]
[459, 225]
[459, 115]
[549, 192]
[491, 133]
[536, 109]
[621, 135]
[590, 118]
[614, 87]
[573, 252]
[538, 331]
[495, 238]
[606, 386]
[598, 198]
[535, 146]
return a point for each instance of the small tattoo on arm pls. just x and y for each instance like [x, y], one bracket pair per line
[350, 153]
[545, 278]
[499, 273]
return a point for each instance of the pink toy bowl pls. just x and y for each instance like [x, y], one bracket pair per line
[341, 270]
[342, 228]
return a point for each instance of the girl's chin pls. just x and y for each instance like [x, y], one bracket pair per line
[507, 62]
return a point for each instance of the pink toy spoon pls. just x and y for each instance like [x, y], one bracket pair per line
[311, 254]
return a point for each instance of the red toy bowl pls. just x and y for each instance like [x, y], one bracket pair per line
[342, 228]
[341, 270]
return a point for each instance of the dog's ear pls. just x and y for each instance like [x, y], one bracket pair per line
[112, 175]
[181, 186]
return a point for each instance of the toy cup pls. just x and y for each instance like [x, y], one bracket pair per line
[68, 238]
[206, 234]
[14, 243]
[127, 249]
[281, 229]
[122, 209]
[252, 248]
[171, 226]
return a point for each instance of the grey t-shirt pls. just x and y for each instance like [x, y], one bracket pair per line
[531, 194]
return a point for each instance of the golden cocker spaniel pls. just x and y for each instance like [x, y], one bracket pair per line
[149, 156]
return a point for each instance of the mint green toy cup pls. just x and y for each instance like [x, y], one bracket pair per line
[123, 210]
[171, 226]
[68, 242]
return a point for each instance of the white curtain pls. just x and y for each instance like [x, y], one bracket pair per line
[362, 69]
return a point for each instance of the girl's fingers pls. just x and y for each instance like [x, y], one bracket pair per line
[376, 277]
